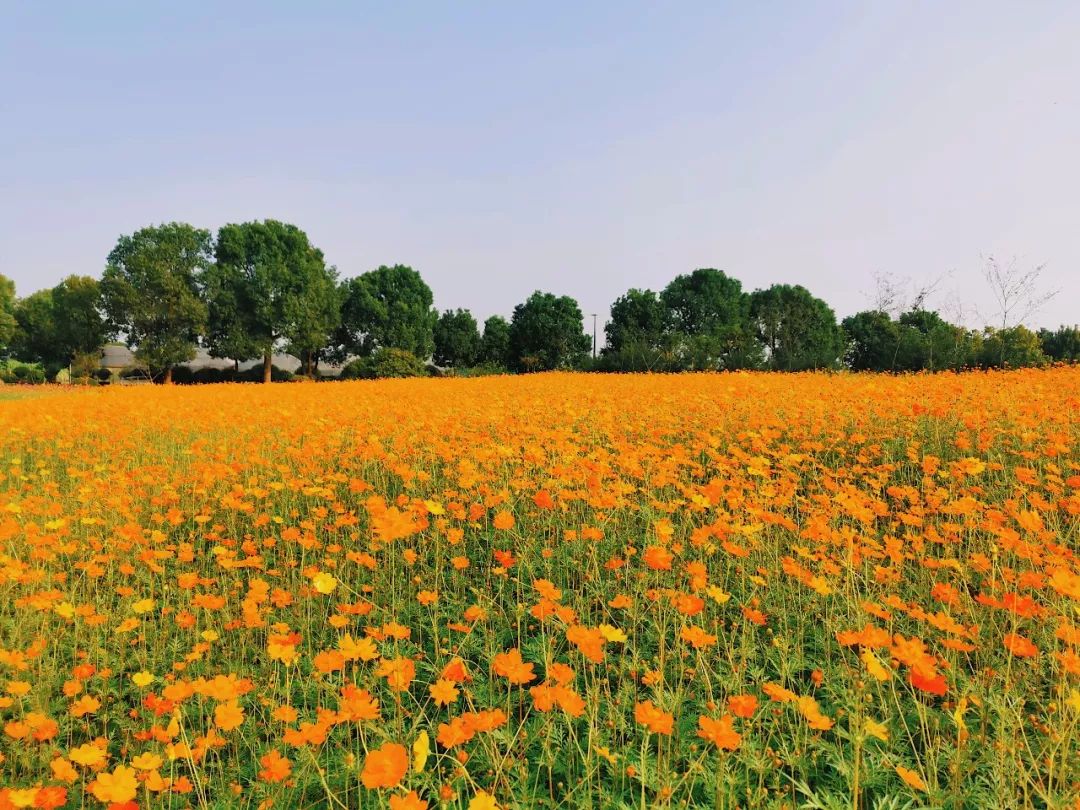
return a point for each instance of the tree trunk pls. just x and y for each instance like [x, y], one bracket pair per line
[168, 376]
[268, 367]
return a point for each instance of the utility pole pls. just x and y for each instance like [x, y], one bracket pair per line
[594, 335]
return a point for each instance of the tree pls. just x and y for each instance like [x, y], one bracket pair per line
[929, 342]
[495, 343]
[1061, 345]
[1014, 347]
[7, 311]
[639, 334]
[387, 308]
[546, 333]
[873, 339]
[457, 339]
[711, 315]
[798, 331]
[54, 326]
[1015, 290]
[150, 292]
[269, 286]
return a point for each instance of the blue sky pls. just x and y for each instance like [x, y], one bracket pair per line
[577, 148]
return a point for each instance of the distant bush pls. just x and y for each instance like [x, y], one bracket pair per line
[383, 364]
[17, 373]
[482, 370]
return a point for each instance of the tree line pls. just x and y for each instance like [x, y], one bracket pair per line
[256, 288]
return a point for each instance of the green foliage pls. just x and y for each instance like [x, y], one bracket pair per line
[546, 333]
[457, 339]
[269, 285]
[7, 311]
[150, 291]
[495, 343]
[1012, 347]
[384, 363]
[798, 331]
[1061, 345]
[710, 313]
[873, 340]
[14, 372]
[54, 326]
[389, 307]
[929, 342]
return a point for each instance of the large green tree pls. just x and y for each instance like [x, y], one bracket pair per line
[269, 287]
[873, 341]
[495, 342]
[929, 342]
[546, 333]
[58, 324]
[798, 331]
[457, 339]
[639, 334]
[150, 292]
[7, 311]
[710, 313]
[387, 308]
[1061, 344]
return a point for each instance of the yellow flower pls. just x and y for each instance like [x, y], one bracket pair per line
[324, 583]
[483, 801]
[142, 606]
[147, 762]
[612, 634]
[87, 755]
[119, 786]
[141, 679]
[420, 751]
[875, 729]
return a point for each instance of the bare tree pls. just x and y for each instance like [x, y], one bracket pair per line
[1016, 290]
[888, 292]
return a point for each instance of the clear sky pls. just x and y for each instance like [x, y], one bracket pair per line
[578, 148]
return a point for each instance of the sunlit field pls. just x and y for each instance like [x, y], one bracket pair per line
[745, 590]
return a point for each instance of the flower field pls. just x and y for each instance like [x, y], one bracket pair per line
[745, 590]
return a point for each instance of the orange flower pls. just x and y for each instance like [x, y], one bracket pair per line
[654, 719]
[410, 801]
[720, 733]
[443, 692]
[510, 665]
[385, 767]
[1019, 646]
[275, 767]
[742, 705]
[911, 778]
[228, 716]
[399, 673]
[119, 786]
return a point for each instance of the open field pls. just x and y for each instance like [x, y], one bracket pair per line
[743, 590]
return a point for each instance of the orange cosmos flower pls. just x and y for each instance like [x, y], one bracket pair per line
[275, 767]
[385, 767]
[1019, 646]
[510, 665]
[654, 719]
[720, 733]
[742, 705]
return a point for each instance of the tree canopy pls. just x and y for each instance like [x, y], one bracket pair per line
[150, 292]
[546, 333]
[495, 342]
[269, 286]
[798, 331]
[457, 339]
[387, 308]
[710, 314]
